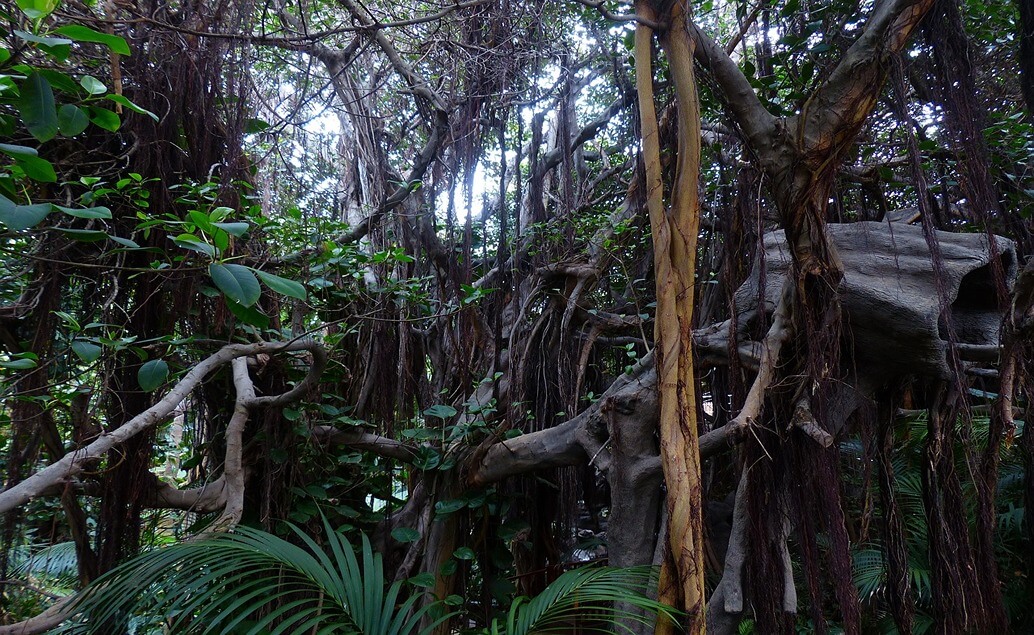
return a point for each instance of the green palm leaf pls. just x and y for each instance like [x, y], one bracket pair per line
[249, 581]
[226, 583]
[588, 592]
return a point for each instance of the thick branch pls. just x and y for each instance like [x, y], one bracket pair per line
[233, 465]
[71, 464]
[751, 116]
[43, 622]
[832, 115]
[366, 441]
[554, 447]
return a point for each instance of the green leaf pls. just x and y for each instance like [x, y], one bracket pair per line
[237, 229]
[248, 314]
[283, 286]
[251, 126]
[87, 351]
[464, 553]
[84, 235]
[81, 33]
[405, 534]
[192, 242]
[221, 239]
[18, 217]
[59, 81]
[441, 411]
[36, 106]
[236, 282]
[443, 508]
[37, 169]
[42, 39]
[220, 213]
[88, 212]
[125, 242]
[119, 99]
[152, 374]
[69, 320]
[423, 580]
[105, 119]
[18, 364]
[200, 219]
[36, 9]
[71, 120]
[448, 568]
[92, 85]
[17, 151]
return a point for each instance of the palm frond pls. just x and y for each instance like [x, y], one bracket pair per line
[252, 580]
[588, 592]
[57, 562]
[870, 573]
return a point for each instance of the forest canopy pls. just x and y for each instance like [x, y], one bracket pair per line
[321, 316]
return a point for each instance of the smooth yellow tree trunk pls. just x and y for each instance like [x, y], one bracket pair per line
[675, 230]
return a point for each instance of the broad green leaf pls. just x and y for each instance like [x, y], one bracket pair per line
[464, 553]
[37, 169]
[105, 119]
[443, 508]
[92, 85]
[81, 33]
[86, 351]
[18, 217]
[152, 374]
[192, 242]
[424, 580]
[221, 239]
[125, 242]
[201, 220]
[448, 568]
[88, 212]
[405, 534]
[248, 314]
[220, 213]
[60, 81]
[36, 106]
[17, 151]
[237, 229]
[236, 282]
[42, 39]
[71, 120]
[119, 99]
[283, 286]
[18, 364]
[441, 411]
[36, 9]
[84, 235]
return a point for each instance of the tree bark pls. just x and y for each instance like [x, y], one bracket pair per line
[675, 237]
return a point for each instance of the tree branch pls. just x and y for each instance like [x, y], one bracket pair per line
[751, 116]
[72, 463]
[367, 441]
[832, 115]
